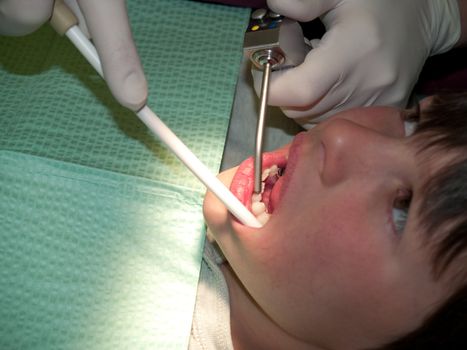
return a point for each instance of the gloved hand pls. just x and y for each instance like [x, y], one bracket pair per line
[371, 54]
[107, 21]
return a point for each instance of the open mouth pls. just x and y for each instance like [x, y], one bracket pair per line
[262, 204]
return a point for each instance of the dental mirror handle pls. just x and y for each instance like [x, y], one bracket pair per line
[260, 127]
[272, 42]
[64, 22]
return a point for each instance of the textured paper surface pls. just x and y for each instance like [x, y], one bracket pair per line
[101, 230]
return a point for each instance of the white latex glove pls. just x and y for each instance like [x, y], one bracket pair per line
[106, 22]
[371, 54]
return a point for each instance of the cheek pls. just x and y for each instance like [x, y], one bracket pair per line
[328, 260]
[337, 250]
[347, 241]
[331, 244]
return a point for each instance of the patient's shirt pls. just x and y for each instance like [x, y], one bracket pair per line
[211, 319]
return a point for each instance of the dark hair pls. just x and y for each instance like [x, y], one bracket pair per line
[443, 128]
[443, 216]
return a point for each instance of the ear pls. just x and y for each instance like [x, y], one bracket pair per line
[388, 121]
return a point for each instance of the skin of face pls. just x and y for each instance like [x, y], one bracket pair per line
[329, 270]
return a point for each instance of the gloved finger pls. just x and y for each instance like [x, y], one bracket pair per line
[344, 95]
[107, 21]
[302, 10]
[21, 17]
[73, 6]
[306, 84]
[295, 87]
[332, 103]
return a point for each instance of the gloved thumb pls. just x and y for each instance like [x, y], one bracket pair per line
[108, 24]
[302, 10]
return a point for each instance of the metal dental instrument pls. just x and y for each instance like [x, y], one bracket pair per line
[260, 127]
[64, 22]
[272, 42]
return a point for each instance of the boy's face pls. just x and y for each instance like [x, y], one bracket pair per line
[330, 262]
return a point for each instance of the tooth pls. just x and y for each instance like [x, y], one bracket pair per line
[256, 197]
[258, 207]
[263, 218]
[265, 174]
[273, 170]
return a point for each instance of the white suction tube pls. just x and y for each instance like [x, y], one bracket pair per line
[64, 22]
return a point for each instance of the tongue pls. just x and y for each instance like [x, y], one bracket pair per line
[268, 188]
[274, 195]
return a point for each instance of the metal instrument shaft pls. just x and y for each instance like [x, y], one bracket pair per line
[258, 166]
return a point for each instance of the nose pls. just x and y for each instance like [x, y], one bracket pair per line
[351, 149]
